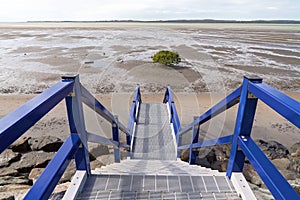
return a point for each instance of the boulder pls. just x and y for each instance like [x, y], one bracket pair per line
[281, 163]
[8, 171]
[295, 165]
[294, 148]
[30, 160]
[185, 155]
[13, 191]
[45, 143]
[96, 164]
[251, 175]
[96, 150]
[69, 173]
[59, 191]
[21, 145]
[273, 149]
[106, 159]
[7, 157]
[35, 173]
[7, 180]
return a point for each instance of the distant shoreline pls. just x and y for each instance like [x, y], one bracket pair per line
[180, 21]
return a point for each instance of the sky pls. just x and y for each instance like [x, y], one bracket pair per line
[90, 10]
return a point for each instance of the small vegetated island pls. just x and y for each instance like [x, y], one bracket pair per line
[166, 58]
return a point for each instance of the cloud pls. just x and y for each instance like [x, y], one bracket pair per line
[20, 10]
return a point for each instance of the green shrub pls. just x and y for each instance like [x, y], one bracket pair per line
[166, 58]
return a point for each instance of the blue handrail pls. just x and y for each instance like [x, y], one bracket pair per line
[13, 125]
[247, 95]
[174, 119]
[47, 181]
[137, 100]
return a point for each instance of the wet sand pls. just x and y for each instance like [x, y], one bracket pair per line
[112, 58]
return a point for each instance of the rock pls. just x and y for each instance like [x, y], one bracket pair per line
[251, 175]
[45, 143]
[106, 159]
[281, 163]
[7, 171]
[13, 191]
[96, 164]
[295, 165]
[96, 150]
[295, 147]
[7, 196]
[35, 173]
[30, 160]
[7, 180]
[289, 175]
[273, 149]
[7, 157]
[296, 188]
[185, 154]
[21, 145]
[297, 153]
[59, 191]
[69, 173]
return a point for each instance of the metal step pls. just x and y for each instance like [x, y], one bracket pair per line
[157, 184]
[116, 195]
[155, 167]
[153, 139]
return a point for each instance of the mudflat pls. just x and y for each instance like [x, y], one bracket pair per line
[112, 58]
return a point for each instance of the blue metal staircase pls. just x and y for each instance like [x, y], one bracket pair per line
[153, 169]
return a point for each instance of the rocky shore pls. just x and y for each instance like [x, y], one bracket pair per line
[287, 161]
[24, 161]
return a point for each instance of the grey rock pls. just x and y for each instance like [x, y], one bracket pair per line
[295, 165]
[6, 180]
[21, 145]
[30, 160]
[273, 149]
[8, 171]
[295, 147]
[251, 175]
[35, 173]
[69, 173]
[106, 159]
[13, 191]
[45, 143]
[7, 157]
[7, 196]
[281, 163]
[96, 164]
[96, 150]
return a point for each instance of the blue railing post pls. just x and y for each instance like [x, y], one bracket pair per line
[194, 139]
[115, 135]
[77, 123]
[243, 125]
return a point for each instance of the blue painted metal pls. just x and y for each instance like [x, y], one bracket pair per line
[47, 181]
[115, 136]
[168, 98]
[276, 183]
[281, 103]
[13, 125]
[134, 110]
[243, 127]
[207, 143]
[77, 123]
[194, 139]
[231, 100]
